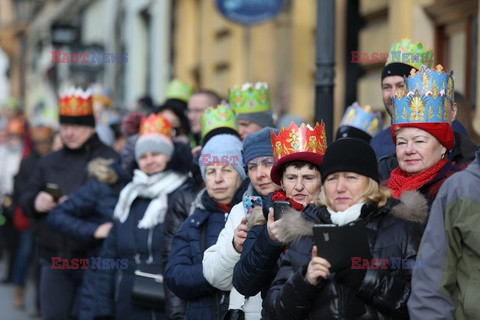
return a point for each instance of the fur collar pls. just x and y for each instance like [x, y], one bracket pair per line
[101, 169]
[412, 207]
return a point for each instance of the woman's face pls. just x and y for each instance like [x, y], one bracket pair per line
[302, 185]
[344, 189]
[222, 181]
[417, 150]
[153, 162]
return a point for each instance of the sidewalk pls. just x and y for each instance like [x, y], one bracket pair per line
[7, 311]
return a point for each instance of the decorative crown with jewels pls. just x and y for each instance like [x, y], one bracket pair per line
[412, 54]
[155, 124]
[75, 102]
[250, 98]
[426, 98]
[220, 116]
[302, 143]
[362, 118]
[177, 89]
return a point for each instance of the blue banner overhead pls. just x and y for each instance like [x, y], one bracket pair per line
[249, 11]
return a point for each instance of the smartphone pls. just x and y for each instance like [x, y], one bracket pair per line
[54, 191]
[279, 207]
[250, 202]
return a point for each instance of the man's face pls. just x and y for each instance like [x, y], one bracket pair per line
[196, 106]
[390, 85]
[452, 110]
[246, 127]
[74, 136]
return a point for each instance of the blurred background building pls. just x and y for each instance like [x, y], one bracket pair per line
[192, 41]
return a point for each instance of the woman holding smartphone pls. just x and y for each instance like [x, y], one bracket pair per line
[306, 287]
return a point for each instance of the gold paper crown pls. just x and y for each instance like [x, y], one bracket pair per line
[75, 102]
[155, 123]
[299, 139]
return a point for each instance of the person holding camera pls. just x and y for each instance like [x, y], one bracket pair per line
[58, 175]
[298, 154]
[220, 259]
[307, 286]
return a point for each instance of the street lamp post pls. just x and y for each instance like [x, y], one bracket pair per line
[324, 61]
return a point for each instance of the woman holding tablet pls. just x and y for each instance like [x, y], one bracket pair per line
[307, 286]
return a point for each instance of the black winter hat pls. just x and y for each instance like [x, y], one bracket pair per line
[350, 155]
[396, 69]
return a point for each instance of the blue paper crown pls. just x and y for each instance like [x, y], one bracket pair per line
[363, 119]
[425, 98]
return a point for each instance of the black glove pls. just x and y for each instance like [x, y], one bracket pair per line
[351, 277]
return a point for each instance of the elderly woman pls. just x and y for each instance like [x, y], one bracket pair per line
[306, 287]
[223, 172]
[422, 134]
[136, 237]
[299, 153]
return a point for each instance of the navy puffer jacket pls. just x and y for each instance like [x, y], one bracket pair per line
[183, 273]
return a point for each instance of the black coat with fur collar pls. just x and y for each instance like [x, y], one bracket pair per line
[383, 293]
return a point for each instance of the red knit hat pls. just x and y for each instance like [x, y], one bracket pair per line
[442, 131]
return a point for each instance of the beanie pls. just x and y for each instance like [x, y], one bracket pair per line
[352, 132]
[258, 144]
[350, 155]
[396, 69]
[225, 149]
[263, 118]
[153, 142]
[442, 131]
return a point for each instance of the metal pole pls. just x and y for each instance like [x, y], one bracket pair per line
[325, 61]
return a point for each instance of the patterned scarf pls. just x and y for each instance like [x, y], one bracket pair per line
[400, 182]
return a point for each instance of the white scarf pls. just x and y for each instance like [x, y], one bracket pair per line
[155, 187]
[344, 217]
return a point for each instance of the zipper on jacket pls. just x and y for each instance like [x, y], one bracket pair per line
[117, 289]
[149, 246]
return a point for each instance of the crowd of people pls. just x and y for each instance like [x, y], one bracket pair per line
[201, 208]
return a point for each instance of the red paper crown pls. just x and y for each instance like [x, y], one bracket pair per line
[298, 143]
[75, 103]
[156, 123]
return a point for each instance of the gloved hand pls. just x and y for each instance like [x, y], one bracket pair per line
[267, 204]
[351, 277]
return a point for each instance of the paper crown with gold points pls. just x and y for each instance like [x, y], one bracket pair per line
[302, 143]
[412, 54]
[250, 98]
[177, 89]
[425, 103]
[75, 107]
[218, 119]
[155, 124]
[155, 136]
[362, 118]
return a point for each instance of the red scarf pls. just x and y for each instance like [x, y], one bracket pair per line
[225, 207]
[400, 182]
[280, 195]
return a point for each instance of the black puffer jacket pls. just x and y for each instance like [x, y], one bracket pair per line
[68, 169]
[179, 205]
[383, 293]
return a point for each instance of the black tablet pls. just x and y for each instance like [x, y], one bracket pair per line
[339, 244]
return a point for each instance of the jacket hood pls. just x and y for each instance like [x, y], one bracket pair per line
[197, 203]
[411, 206]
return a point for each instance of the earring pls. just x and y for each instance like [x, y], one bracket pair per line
[443, 156]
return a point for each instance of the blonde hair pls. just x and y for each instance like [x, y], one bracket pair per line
[374, 192]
